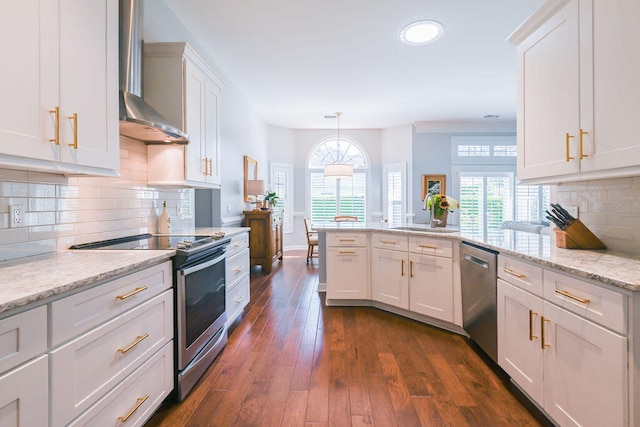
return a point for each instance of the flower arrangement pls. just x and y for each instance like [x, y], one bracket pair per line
[442, 203]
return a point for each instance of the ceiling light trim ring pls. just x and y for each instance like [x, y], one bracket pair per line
[421, 32]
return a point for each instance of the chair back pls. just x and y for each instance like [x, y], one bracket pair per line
[307, 227]
[341, 218]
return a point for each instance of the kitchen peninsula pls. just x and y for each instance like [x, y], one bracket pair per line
[568, 320]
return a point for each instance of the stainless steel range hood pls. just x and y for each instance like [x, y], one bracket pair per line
[138, 119]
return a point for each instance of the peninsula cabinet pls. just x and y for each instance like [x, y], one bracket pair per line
[578, 91]
[60, 87]
[181, 86]
[265, 237]
[347, 266]
[566, 347]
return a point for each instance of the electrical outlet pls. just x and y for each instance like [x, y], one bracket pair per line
[16, 216]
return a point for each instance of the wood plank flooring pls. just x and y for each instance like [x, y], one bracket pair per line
[292, 361]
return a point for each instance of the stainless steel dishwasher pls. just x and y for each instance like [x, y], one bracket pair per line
[478, 269]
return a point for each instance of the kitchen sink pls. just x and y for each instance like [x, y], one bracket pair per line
[426, 229]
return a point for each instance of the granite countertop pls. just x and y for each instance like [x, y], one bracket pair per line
[608, 267]
[33, 279]
[30, 280]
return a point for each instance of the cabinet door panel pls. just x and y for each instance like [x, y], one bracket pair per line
[519, 349]
[612, 143]
[390, 275]
[549, 96]
[347, 273]
[585, 371]
[194, 107]
[89, 82]
[24, 395]
[29, 83]
[431, 286]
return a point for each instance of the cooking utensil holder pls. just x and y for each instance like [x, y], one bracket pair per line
[577, 236]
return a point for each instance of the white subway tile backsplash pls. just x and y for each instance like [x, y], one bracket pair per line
[62, 211]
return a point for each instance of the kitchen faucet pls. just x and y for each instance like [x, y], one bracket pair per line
[434, 222]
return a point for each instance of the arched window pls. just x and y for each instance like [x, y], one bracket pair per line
[329, 196]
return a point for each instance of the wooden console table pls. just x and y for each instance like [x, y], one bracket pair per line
[265, 237]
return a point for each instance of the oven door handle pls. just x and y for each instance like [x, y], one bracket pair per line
[201, 265]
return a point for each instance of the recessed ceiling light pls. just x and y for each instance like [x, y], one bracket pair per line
[421, 32]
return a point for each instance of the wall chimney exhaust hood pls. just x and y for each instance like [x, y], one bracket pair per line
[138, 119]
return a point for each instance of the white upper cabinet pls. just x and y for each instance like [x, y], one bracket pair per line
[577, 92]
[60, 87]
[180, 85]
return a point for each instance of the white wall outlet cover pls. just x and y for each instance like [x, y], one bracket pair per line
[16, 216]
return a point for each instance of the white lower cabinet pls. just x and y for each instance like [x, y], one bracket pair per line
[431, 286]
[575, 369]
[24, 395]
[237, 279]
[347, 266]
[91, 365]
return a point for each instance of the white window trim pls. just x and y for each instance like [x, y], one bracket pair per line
[289, 220]
[394, 167]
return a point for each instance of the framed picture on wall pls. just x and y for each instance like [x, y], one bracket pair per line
[433, 184]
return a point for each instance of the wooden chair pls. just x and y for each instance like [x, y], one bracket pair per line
[341, 218]
[312, 238]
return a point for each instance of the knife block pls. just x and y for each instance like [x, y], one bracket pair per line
[577, 236]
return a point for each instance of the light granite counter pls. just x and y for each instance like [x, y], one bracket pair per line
[616, 269]
[31, 280]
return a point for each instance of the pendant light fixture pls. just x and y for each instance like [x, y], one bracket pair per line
[339, 169]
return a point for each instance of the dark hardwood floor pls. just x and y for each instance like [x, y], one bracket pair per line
[292, 361]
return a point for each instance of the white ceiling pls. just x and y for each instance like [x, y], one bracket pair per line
[299, 60]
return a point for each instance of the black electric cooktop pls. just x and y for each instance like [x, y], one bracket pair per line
[155, 241]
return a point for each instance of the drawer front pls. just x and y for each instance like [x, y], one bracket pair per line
[237, 244]
[431, 246]
[22, 337]
[146, 387]
[390, 241]
[238, 298]
[347, 239]
[78, 313]
[236, 268]
[600, 305]
[88, 367]
[24, 395]
[521, 274]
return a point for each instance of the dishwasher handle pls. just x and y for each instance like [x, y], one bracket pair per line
[482, 263]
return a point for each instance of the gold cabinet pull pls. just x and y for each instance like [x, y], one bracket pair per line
[573, 297]
[567, 137]
[56, 130]
[206, 167]
[239, 300]
[513, 273]
[582, 133]
[210, 167]
[531, 314]
[75, 131]
[542, 343]
[346, 240]
[132, 293]
[138, 340]
[346, 252]
[388, 242]
[239, 268]
[427, 247]
[410, 268]
[139, 403]
[402, 267]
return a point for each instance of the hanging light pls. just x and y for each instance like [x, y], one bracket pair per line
[339, 169]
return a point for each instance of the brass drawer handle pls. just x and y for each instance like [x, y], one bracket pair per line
[531, 314]
[346, 252]
[542, 343]
[573, 297]
[139, 403]
[567, 137]
[403, 266]
[410, 268]
[239, 300]
[138, 340]
[239, 269]
[582, 133]
[513, 273]
[427, 247]
[132, 293]
[346, 240]
[388, 242]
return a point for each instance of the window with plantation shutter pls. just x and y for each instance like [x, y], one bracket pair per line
[329, 196]
[281, 175]
[394, 191]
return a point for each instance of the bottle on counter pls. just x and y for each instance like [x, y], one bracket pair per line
[164, 223]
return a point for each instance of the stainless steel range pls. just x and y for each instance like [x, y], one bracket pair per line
[199, 283]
